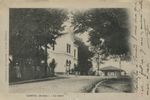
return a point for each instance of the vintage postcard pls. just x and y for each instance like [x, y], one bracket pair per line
[75, 49]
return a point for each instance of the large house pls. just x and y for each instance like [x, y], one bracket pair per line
[65, 53]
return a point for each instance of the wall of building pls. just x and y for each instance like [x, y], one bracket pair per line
[61, 55]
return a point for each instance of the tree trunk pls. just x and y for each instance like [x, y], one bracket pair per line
[98, 63]
[46, 64]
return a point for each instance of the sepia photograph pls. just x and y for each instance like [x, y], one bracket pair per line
[62, 50]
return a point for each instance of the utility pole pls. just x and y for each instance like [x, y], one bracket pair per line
[98, 63]
[120, 63]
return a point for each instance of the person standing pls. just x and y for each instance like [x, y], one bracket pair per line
[52, 66]
[18, 72]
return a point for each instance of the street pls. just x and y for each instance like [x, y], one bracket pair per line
[74, 84]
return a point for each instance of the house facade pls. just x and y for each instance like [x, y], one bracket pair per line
[65, 53]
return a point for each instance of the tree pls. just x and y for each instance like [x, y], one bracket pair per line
[110, 24]
[32, 29]
[100, 55]
[84, 57]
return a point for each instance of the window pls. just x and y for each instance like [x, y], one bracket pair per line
[74, 52]
[68, 48]
[69, 62]
[66, 62]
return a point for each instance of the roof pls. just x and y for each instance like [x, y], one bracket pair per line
[110, 68]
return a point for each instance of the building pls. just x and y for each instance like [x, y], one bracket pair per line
[124, 65]
[112, 72]
[65, 53]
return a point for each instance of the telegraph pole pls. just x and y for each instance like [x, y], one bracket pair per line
[98, 63]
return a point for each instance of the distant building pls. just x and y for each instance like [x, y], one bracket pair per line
[65, 53]
[125, 65]
[112, 72]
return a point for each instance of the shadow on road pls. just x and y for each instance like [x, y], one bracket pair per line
[115, 85]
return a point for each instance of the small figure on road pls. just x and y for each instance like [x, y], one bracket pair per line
[17, 71]
[52, 66]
